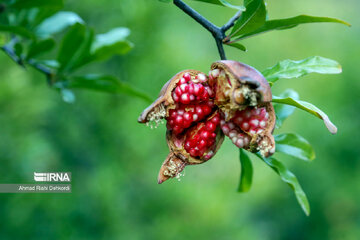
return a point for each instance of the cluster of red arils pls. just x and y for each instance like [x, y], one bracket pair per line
[234, 100]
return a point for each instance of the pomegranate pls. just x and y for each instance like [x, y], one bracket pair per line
[233, 100]
[251, 129]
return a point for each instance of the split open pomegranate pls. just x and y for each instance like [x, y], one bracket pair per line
[233, 100]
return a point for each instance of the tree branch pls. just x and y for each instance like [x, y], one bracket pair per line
[11, 53]
[20, 61]
[217, 32]
[197, 17]
[220, 47]
[231, 22]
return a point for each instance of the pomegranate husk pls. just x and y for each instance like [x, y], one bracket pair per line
[231, 89]
[264, 141]
[171, 167]
[160, 107]
[179, 158]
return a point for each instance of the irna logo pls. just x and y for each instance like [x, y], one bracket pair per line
[52, 177]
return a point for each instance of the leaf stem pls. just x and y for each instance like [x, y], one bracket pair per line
[217, 32]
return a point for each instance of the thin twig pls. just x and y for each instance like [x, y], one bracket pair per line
[11, 53]
[42, 68]
[220, 47]
[217, 32]
[232, 21]
[20, 61]
[197, 17]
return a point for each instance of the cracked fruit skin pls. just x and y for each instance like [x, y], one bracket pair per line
[233, 100]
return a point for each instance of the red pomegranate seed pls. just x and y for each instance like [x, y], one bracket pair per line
[187, 77]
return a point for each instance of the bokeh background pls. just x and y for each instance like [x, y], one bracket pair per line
[115, 161]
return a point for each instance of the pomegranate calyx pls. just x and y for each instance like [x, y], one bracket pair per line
[171, 168]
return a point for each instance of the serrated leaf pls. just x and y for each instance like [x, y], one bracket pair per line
[105, 83]
[40, 47]
[251, 19]
[283, 111]
[20, 4]
[223, 3]
[238, 46]
[308, 107]
[57, 23]
[111, 43]
[281, 24]
[21, 31]
[296, 69]
[289, 178]
[295, 146]
[246, 172]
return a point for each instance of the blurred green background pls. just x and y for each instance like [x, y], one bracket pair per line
[115, 161]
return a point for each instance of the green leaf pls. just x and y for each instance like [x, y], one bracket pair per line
[289, 178]
[105, 83]
[238, 46]
[74, 38]
[49, 63]
[283, 111]
[20, 4]
[18, 49]
[21, 31]
[246, 172]
[253, 18]
[281, 24]
[294, 145]
[227, 4]
[111, 43]
[295, 69]
[38, 15]
[57, 23]
[308, 107]
[40, 47]
[223, 3]
[83, 55]
[67, 95]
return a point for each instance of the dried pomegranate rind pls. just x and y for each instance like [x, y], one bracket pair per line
[171, 168]
[237, 85]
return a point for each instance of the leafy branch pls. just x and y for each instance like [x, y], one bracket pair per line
[33, 30]
[250, 20]
[10, 51]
